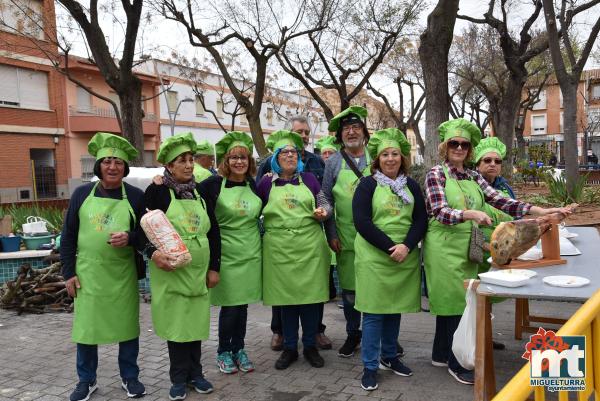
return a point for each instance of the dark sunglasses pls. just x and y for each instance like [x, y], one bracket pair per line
[455, 144]
[489, 160]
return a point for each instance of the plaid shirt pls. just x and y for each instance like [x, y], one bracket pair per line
[437, 205]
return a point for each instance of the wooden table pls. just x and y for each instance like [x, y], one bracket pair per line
[586, 265]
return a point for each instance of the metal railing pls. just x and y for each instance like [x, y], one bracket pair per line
[586, 322]
[95, 111]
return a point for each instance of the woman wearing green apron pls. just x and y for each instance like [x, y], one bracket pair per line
[295, 254]
[180, 300]
[456, 199]
[390, 219]
[237, 208]
[99, 265]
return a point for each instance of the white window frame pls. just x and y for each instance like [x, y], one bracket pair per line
[172, 96]
[562, 122]
[83, 108]
[220, 108]
[541, 103]
[269, 115]
[198, 104]
[19, 88]
[539, 131]
[595, 91]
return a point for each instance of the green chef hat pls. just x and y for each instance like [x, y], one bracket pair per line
[231, 140]
[104, 144]
[282, 138]
[327, 142]
[204, 147]
[353, 112]
[460, 128]
[174, 146]
[388, 138]
[487, 145]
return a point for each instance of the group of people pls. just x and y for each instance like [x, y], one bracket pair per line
[275, 240]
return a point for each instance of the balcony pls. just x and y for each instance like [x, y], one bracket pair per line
[95, 119]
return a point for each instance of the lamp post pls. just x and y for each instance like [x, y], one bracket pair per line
[174, 116]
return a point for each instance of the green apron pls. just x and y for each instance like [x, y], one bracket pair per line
[237, 211]
[343, 192]
[201, 173]
[180, 304]
[107, 304]
[446, 250]
[382, 284]
[295, 253]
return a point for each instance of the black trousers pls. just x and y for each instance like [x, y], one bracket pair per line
[185, 361]
[445, 326]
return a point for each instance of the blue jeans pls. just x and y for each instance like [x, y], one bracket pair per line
[309, 316]
[232, 328]
[352, 315]
[445, 326]
[87, 360]
[379, 335]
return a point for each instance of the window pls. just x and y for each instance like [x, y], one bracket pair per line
[148, 158]
[44, 171]
[172, 101]
[541, 103]
[199, 108]
[596, 92]
[22, 16]
[115, 98]
[87, 167]
[538, 124]
[84, 100]
[243, 119]
[560, 97]
[20, 87]
[270, 115]
[219, 108]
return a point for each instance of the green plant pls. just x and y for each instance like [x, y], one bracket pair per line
[591, 195]
[559, 191]
[19, 213]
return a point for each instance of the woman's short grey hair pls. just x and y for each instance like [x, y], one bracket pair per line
[300, 119]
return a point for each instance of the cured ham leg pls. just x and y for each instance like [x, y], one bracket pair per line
[511, 239]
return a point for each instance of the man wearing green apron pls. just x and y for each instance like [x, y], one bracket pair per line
[343, 172]
[204, 161]
[390, 219]
[99, 265]
[180, 300]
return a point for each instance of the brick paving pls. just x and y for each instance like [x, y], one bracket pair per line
[37, 361]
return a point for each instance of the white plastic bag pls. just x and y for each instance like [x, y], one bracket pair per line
[165, 238]
[463, 344]
[35, 225]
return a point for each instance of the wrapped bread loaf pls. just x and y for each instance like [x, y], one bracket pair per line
[163, 236]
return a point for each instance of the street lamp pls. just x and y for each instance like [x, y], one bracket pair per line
[187, 100]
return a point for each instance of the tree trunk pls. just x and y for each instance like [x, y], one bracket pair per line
[507, 120]
[521, 144]
[433, 53]
[132, 116]
[257, 134]
[570, 133]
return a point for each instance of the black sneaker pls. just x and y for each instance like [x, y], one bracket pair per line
[399, 350]
[313, 357]
[466, 377]
[395, 366]
[83, 391]
[287, 357]
[369, 380]
[350, 345]
[134, 388]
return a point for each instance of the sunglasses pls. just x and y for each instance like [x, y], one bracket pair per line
[489, 160]
[455, 144]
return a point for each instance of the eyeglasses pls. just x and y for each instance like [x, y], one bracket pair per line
[456, 144]
[238, 159]
[353, 127]
[288, 152]
[110, 160]
[489, 160]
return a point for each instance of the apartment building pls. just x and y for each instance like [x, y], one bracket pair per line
[544, 124]
[33, 160]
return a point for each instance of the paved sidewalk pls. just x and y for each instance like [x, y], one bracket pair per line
[37, 361]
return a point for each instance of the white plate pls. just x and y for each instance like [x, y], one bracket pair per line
[564, 233]
[507, 277]
[566, 281]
